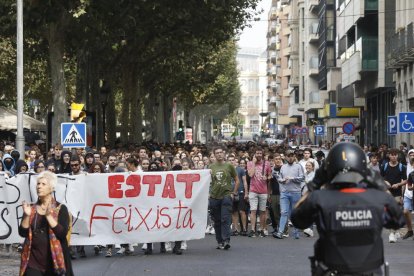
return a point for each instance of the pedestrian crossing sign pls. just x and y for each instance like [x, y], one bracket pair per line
[73, 135]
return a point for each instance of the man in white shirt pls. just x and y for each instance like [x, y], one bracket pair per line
[307, 157]
[408, 195]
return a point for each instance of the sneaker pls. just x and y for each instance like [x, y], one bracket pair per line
[397, 235]
[97, 250]
[117, 246]
[235, 233]
[177, 251]
[131, 248]
[82, 253]
[212, 231]
[168, 247]
[184, 245]
[108, 253]
[121, 251]
[262, 234]
[285, 235]
[144, 247]
[278, 235]
[20, 248]
[308, 232]
[226, 245]
[392, 238]
[408, 234]
[220, 246]
[72, 253]
[208, 229]
[290, 224]
[252, 234]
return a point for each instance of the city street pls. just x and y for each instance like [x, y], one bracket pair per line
[247, 256]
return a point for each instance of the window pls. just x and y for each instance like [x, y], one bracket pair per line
[251, 85]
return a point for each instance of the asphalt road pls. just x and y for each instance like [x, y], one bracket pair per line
[247, 256]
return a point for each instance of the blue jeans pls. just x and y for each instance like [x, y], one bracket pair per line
[287, 203]
[221, 210]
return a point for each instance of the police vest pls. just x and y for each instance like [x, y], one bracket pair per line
[350, 232]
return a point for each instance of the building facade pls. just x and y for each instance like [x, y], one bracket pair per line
[400, 58]
[251, 63]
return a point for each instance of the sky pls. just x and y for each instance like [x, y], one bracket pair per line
[256, 35]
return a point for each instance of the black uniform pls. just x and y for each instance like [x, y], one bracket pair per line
[349, 223]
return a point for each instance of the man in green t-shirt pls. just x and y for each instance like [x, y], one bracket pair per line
[222, 194]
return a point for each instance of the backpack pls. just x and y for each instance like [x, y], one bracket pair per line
[400, 167]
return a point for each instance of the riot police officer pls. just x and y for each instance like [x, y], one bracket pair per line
[350, 211]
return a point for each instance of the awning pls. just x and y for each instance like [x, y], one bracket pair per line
[8, 121]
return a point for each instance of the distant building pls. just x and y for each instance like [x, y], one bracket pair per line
[251, 64]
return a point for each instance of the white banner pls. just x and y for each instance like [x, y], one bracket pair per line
[117, 208]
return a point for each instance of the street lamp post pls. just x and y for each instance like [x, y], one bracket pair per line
[20, 137]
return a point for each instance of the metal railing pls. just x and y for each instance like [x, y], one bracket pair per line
[400, 48]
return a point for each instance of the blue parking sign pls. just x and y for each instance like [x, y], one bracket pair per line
[319, 130]
[73, 135]
[406, 122]
[392, 125]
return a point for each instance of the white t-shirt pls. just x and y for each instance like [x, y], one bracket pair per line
[408, 193]
[303, 163]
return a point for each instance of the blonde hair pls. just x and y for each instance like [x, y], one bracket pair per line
[50, 177]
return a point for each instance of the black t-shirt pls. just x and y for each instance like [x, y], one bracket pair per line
[273, 182]
[40, 255]
[395, 175]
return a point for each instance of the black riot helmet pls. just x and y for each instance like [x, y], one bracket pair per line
[346, 164]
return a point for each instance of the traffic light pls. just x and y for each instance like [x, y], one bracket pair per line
[76, 113]
[180, 125]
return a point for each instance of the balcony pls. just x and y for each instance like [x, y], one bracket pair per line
[273, 27]
[313, 66]
[400, 48]
[333, 78]
[314, 6]
[273, 56]
[286, 72]
[286, 31]
[313, 33]
[367, 47]
[273, 41]
[273, 13]
[274, 70]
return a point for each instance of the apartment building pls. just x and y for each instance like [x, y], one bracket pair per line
[279, 69]
[363, 26]
[400, 58]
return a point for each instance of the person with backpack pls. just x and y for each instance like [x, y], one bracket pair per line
[395, 177]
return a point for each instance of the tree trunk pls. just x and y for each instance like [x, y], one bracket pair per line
[57, 72]
[126, 100]
[135, 108]
[110, 117]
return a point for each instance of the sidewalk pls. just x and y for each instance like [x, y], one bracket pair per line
[9, 261]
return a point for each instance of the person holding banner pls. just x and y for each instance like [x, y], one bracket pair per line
[45, 226]
[222, 195]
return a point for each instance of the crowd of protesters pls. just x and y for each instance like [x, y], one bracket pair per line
[268, 180]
